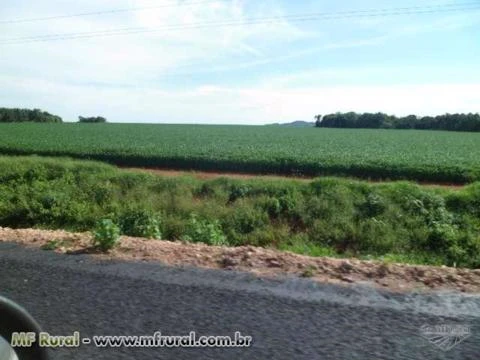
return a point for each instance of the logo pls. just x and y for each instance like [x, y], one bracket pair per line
[445, 336]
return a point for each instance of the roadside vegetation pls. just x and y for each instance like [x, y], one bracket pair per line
[433, 156]
[398, 221]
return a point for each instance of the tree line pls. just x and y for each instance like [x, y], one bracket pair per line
[39, 116]
[450, 122]
[92, 119]
[28, 115]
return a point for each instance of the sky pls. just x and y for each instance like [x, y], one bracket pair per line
[262, 65]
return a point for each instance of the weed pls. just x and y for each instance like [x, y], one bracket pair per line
[106, 235]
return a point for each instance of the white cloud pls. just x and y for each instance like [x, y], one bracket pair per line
[138, 58]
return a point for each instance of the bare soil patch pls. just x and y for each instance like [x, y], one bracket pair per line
[260, 261]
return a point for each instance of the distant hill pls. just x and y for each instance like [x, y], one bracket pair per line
[296, 123]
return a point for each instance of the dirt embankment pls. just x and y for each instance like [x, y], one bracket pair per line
[263, 262]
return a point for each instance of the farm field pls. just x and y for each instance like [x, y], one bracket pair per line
[434, 156]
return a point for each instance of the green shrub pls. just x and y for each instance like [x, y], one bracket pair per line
[106, 235]
[337, 233]
[206, 190]
[377, 237]
[202, 230]
[272, 207]
[466, 252]
[102, 193]
[268, 236]
[141, 223]
[373, 206]
[238, 191]
[174, 227]
[246, 219]
[466, 201]
[287, 203]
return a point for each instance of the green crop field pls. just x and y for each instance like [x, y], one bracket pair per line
[386, 154]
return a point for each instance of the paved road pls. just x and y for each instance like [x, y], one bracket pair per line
[288, 318]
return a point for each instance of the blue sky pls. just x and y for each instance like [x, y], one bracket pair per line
[245, 74]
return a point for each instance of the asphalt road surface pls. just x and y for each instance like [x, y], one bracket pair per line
[287, 318]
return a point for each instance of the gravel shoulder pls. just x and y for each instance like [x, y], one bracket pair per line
[259, 261]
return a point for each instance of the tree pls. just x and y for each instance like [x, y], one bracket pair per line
[27, 115]
[92, 119]
[372, 121]
[407, 122]
[449, 122]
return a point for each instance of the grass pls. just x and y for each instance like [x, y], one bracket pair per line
[421, 155]
[328, 216]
